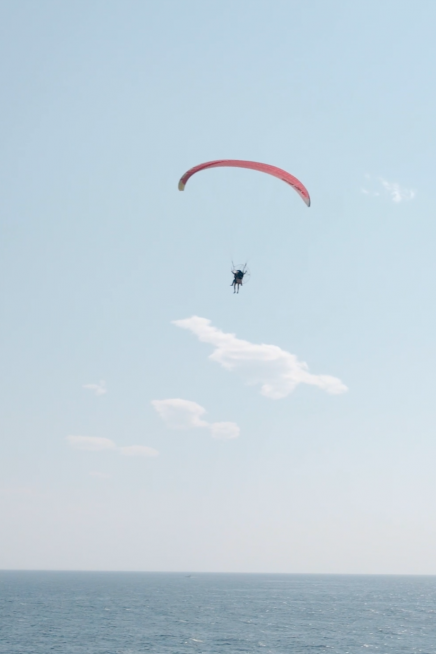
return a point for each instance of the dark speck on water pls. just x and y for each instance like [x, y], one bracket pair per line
[132, 613]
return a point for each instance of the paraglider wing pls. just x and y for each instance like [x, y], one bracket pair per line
[253, 165]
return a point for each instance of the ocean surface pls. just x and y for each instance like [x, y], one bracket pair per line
[129, 613]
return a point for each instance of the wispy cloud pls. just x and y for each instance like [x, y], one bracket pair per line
[224, 430]
[365, 191]
[91, 443]
[396, 192]
[184, 414]
[278, 372]
[97, 389]
[98, 444]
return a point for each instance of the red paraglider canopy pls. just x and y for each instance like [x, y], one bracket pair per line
[253, 165]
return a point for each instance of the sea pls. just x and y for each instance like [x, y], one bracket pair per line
[131, 613]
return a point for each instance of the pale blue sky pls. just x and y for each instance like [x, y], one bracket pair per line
[104, 106]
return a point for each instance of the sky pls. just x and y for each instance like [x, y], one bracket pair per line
[150, 418]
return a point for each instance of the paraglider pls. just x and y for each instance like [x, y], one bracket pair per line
[253, 165]
[238, 277]
[239, 274]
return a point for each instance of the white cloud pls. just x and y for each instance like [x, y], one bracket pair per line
[184, 414]
[137, 450]
[97, 389]
[224, 430]
[98, 444]
[99, 475]
[91, 443]
[180, 414]
[397, 193]
[278, 372]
